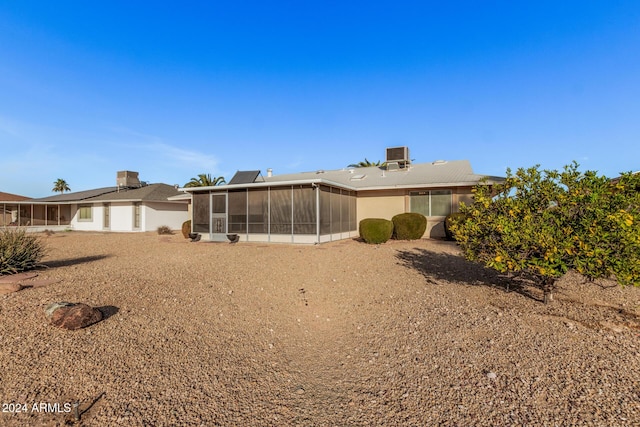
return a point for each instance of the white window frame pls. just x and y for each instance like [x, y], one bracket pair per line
[85, 208]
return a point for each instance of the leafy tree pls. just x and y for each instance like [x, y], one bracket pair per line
[365, 164]
[205, 180]
[60, 186]
[545, 223]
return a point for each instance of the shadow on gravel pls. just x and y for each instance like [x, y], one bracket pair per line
[73, 261]
[108, 311]
[454, 268]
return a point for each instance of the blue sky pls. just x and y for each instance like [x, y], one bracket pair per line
[172, 90]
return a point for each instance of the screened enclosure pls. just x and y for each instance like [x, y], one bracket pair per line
[287, 213]
[28, 214]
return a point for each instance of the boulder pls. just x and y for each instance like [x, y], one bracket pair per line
[56, 305]
[7, 288]
[72, 316]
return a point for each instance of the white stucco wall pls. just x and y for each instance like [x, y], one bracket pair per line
[160, 213]
[152, 215]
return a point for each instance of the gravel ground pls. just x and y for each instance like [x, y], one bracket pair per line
[340, 334]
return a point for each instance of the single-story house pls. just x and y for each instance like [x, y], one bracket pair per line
[327, 205]
[130, 206]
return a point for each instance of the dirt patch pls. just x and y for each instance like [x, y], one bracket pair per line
[405, 333]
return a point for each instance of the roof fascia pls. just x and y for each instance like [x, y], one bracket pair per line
[268, 184]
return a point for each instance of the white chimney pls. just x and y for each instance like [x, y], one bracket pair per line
[269, 172]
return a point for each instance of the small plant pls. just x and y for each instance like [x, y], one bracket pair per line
[376, 230]
[19, 251]
[409, 226]
[165, 229]
[452, 218]
[186, 228]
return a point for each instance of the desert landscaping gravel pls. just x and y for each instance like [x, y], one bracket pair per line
[339, 334]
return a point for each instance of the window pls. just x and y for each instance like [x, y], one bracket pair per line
[431, 203]
[201, 212]
[304, 210]
[237, 211]
[52, 215]
[281, 210]
[84, 213]
[325, 209]
[258, 210]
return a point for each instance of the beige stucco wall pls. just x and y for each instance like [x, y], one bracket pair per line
[387, 203]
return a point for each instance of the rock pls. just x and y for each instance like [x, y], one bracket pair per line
[7, 288]
[72, 316]
[12, 278]
[56, 305]
[492, 375]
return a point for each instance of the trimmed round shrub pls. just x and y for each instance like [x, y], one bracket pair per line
[452, 218]
[186, 228]
[376, 230]
[19, 251]
[409, 226]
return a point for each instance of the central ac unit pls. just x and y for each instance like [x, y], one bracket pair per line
[398, 154]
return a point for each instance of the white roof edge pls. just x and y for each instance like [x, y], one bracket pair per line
[269, 184]
[179, 197]
[430, 185]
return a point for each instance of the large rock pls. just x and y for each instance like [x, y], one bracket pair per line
[7, 288]
[72, 316]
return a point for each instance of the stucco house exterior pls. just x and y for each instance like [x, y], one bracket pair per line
[130, 206]
[326, 205]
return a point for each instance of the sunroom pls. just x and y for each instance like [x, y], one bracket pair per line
[297, 212]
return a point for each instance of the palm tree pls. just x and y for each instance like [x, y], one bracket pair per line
[205, 180]
[60, 186]
[366, 164]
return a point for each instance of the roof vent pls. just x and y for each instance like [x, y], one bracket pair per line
[357, 177]
[439, 162]
[319, 171]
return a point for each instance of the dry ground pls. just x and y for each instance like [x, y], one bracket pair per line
[341, 334]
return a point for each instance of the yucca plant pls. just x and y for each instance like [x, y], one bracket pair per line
[19, 251]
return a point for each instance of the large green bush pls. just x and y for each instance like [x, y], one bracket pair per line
[19, 250]
[186, 228]
[376, 230]
[452, 218]
[409, 226]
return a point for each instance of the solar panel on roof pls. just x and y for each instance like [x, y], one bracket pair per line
[244, 177]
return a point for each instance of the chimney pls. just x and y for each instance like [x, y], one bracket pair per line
[269, 172]
[127, 179]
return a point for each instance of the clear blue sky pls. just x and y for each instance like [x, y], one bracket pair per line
[175, 89]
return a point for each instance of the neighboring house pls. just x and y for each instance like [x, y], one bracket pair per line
[322, 206]
[130, 206]
[8, 217]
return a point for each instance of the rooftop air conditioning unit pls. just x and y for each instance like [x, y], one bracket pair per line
[399, 155]
[127, 179]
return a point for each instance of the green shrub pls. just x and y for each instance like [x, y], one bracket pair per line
[19, 251]
[165, 229]
[186, 228]
[409, 226]
[376, 230]
[451, 219]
